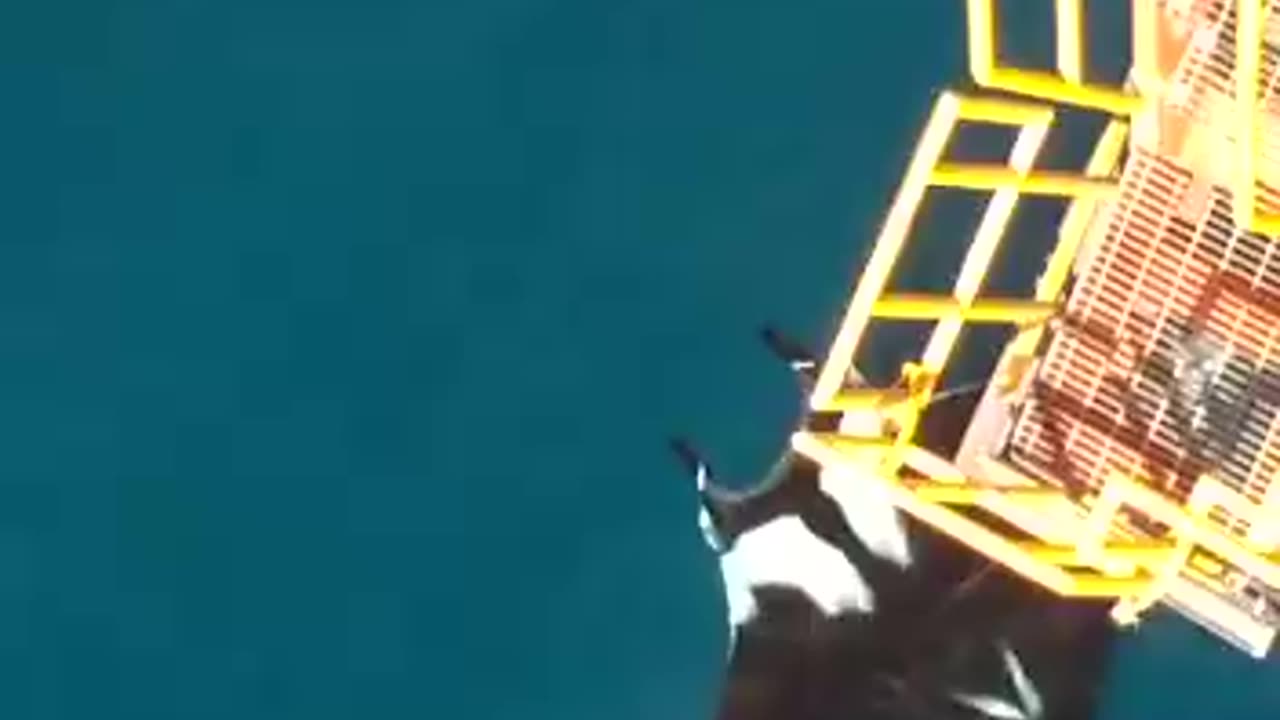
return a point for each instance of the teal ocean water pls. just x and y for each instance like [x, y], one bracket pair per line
[339, 340]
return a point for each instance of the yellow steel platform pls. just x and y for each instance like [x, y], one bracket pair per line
[1128, 443]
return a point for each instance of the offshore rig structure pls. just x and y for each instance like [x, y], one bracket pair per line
[1127, 444]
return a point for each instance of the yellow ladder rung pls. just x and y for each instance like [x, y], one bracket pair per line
[1003, 111]
[956, 494]
[867, 399]
[910, 306]
[1049, 86]
[1151, 552]
[841, 442]
[982, 176]
[1094, 585]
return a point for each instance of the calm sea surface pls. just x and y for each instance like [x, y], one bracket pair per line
[338, 343]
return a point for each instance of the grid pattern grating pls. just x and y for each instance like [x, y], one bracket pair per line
[1203, 91]
[1166, 361]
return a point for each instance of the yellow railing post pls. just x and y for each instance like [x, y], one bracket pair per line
[1144, 69]
[1250, 20]
[1069, 36]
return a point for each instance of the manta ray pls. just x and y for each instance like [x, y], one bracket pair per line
[837, 606]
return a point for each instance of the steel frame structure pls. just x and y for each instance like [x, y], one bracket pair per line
[1125, 536]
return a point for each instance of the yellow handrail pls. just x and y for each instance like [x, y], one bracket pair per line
[1067, 85]
[1249, 43]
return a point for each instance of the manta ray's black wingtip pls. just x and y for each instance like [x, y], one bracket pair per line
[684, 451]
[794, 354]
[781, 345]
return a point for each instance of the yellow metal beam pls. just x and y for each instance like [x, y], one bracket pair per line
[1002, 111]
[981, 18]
[1136, 573]
[1249, 27]
[1102, 163]
[981, 176]
[1068, 88]
[1122, 491]
[969, 494]
[887, 249]
[1071, 235]
[978, 537]
[933, 466]
[911, 306]
[925, 169]
[1144, 69]
[1248, 49]
[1129, 608]
[1094, 585]
[1153, 552]
[1069, 34]
[981, 252]
[842, 443]
[1047, 86]
[1097, 554]
[855, 399]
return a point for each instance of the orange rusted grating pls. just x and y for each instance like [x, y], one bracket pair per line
[1166, 361]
